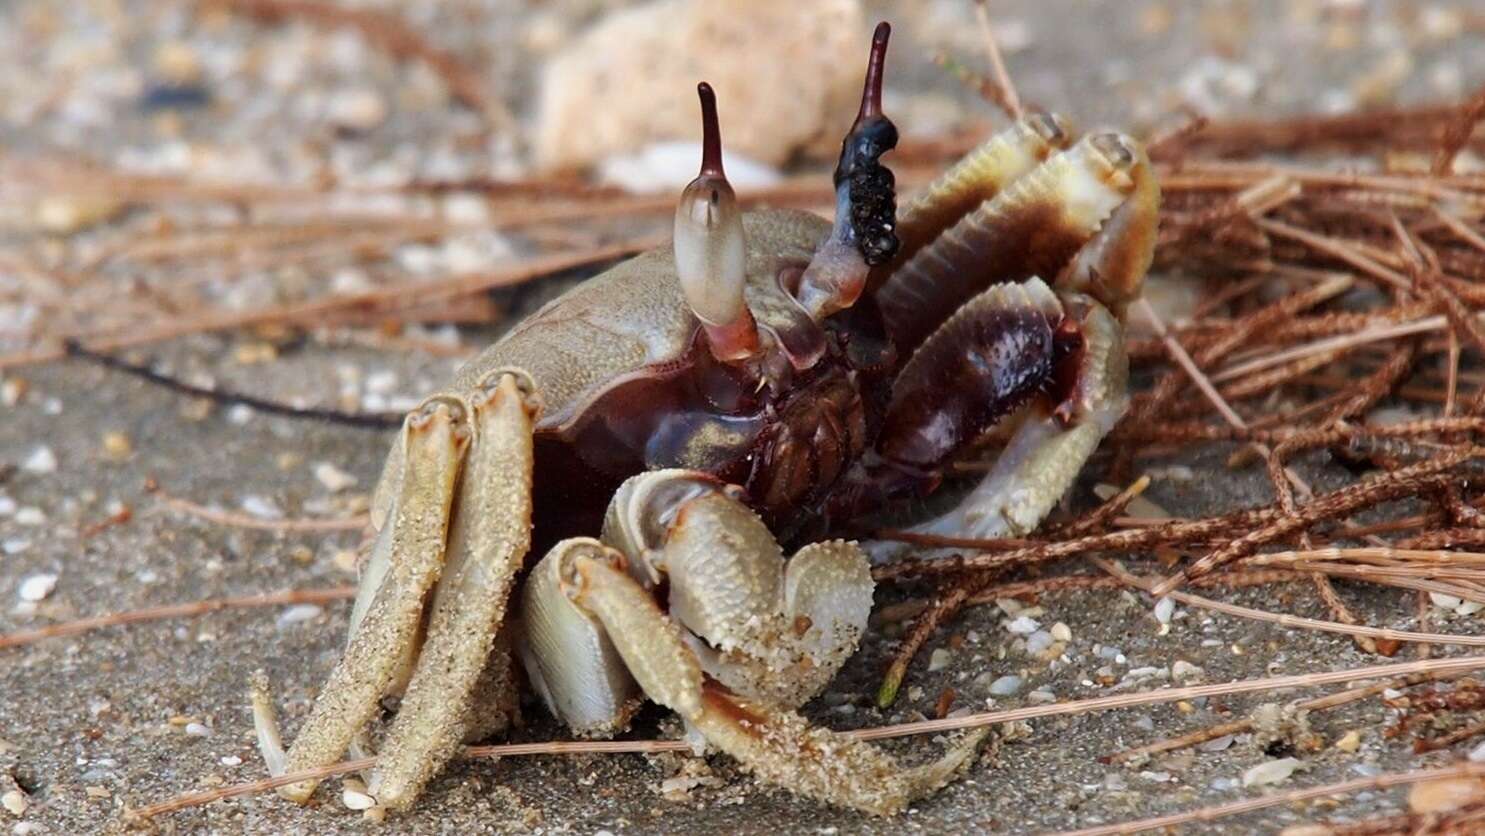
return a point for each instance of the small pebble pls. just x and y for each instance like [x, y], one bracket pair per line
[1217, 744]
[1164, 609]
[1477, 754]
[1184, 670]
[1270, 772]
[333, 478]
[1024, 626]
[1447, 602]
[356, 800]
[298, 613]
[1061, 632]
[116, 445]
[261, 507]
[358, 110]
[1444, 794]
[1006, 685]
[16, 802]
[1037, 643]
[30, 515]
[345, 560]
[41, 460]
[12, 390]
[939, 659]
[197, 730]
[231, 760]
[1040, 696]
[36, 587]
[1349, 742]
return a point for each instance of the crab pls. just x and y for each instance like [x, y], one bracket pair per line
[769, 375]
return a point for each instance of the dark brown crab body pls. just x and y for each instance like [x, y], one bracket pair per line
[767, 369]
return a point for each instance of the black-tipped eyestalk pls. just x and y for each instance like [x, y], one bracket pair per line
[865, 201]
[710, 253]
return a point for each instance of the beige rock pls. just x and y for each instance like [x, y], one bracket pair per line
[787, 75]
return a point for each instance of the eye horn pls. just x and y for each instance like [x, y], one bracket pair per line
[865, 201]
[710, 252]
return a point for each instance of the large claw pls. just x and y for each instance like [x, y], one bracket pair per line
[766, 629]
[776, 744]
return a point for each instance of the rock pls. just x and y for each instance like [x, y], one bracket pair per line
[663, 166]
[333, 478]
[1006, 686]
[939, 659]
[65, 214]
[1349, 742]
[357, 110]
[1444, 794]
[1270, 772]
[787, 75]
[36, 587]
[1024, 626]
[41, 460]
[1183, 671]
[16, 802]
[1164, 609]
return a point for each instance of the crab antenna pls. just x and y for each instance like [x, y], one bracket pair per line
[710, 252]
[711, 134]
[865, 201]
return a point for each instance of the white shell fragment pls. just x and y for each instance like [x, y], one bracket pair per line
[333, 478]
[41, 460]
[36, 587]
[1024, 626]
[1270, 772]
[1164, 609]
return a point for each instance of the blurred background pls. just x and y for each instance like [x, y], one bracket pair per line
[333, 204]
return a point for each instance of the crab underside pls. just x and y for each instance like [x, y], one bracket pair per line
[1003, 285]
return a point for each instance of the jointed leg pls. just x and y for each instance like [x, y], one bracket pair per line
[488, 540]
[434, 440]
[778, 745]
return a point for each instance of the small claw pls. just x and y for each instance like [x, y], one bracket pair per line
[865, 202]
[710, 253]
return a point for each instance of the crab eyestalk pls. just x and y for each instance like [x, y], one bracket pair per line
[864, 234]
[710, 258]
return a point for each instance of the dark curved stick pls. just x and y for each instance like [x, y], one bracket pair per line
[369, 420]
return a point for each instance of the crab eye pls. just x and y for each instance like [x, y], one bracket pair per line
[710, 257]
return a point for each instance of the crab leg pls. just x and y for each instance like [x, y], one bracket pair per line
[488, 540]
[979, 176]
[777, 745]
[1035, 226]
[434, 439]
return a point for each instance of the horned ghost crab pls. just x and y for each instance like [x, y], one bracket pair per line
[769, 374]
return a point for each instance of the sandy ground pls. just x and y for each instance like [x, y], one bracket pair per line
[92, 725]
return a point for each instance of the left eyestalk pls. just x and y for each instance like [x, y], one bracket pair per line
[710, 251]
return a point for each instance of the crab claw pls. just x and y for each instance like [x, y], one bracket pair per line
[710, 259]
[865, 202]
[765, 627]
